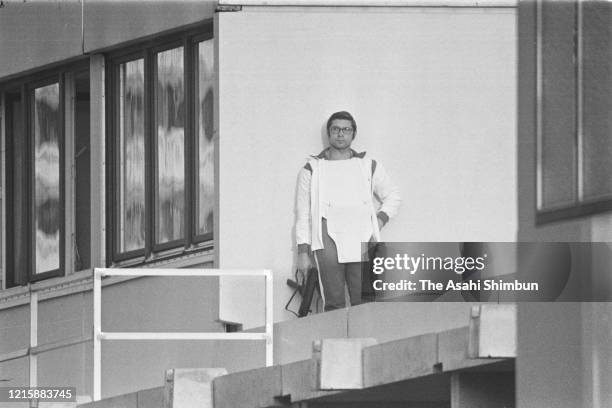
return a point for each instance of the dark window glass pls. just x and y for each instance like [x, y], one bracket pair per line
[17, 242]
[47, 174]
[206, 148]
[170, 148]
[82, 172]
[131, 217]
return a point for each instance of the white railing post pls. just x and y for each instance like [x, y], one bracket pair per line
[269, 319]
[33, 338]
[97, 323]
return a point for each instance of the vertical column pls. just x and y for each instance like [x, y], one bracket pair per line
[98, 160]
[69, 172]
[217, 156]
[98, 223]
[2, 192]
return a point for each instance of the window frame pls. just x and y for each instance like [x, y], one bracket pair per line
[13, 276]
[187, 135]
[113, 152]
[579, 206]
[29, 113]
[148, 50]
[24, 87]
[208, 236]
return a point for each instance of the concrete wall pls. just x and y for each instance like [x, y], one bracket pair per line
[563, 353]
[432, 90]
[38, 33]
[108, 23]
[144, 304]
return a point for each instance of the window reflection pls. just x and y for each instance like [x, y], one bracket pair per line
[206, 147]
[132, 156]
[47, 216]
[170, 125]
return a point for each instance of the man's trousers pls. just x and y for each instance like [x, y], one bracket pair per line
[333, 275]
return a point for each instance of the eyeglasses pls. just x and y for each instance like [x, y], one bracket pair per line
[334, 130]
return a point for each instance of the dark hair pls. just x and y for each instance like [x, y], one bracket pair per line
[342, 115]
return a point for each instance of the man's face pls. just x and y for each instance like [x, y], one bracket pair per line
[341, 133]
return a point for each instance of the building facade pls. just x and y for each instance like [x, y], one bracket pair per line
[169, 135]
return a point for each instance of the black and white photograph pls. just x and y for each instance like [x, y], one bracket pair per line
[305, 203]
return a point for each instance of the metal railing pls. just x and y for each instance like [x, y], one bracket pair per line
[99, 335]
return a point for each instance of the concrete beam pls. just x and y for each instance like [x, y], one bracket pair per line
[399, 360]
[372, 3]
[55, 405]
[149, 398]
[184, 388]
[453, 351]
[152, 398]
[293, 338]
[191, 387]
[120, 401]
[387, 321]
[341, 362]
[299, 381]
[248, 389]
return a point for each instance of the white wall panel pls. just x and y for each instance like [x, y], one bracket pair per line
[433, 93]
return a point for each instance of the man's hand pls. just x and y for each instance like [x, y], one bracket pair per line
[381, 223]
[304, 263]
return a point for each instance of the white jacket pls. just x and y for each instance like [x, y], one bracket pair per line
[308, 231]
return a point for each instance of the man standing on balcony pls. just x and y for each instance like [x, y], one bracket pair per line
[343, 199]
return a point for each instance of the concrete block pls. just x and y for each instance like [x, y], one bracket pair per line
[397, 320]
[495, 334]
[293, 338]
[299, 381]
[341, 362]
[191, 387]
[248, 389]
[399, 360]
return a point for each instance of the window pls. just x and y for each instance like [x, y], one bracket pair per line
[40, 117]
[574, 156]
[34, 183]
[161, 189]
[46, 128]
